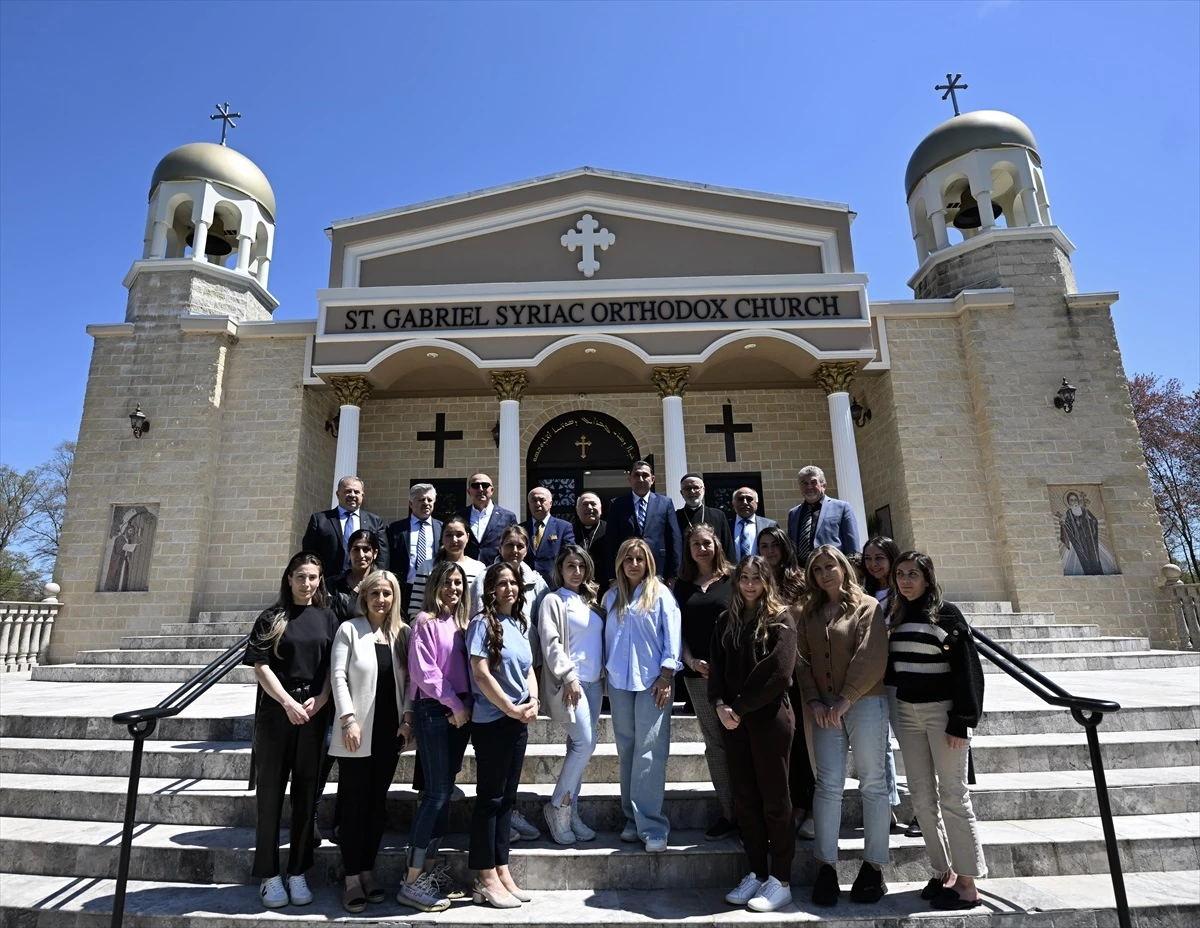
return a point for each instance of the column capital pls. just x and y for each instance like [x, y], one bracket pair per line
[835, 376]
[671, 381]
[351, 391]
[510, 385]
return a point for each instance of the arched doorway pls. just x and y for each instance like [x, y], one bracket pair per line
[580, 451]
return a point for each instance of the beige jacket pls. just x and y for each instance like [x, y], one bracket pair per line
[846, 658]
[354, 674]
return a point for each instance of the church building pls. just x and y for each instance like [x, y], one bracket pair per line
[552, 331]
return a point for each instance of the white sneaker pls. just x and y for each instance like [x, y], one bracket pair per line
[582, 832]
[559, 820]
[629, 833]
[422, 895]
[298, 891]
[656, 845]
[773, 895]
[522, 827]
[746, 890]
[807, 829]
[272, 893]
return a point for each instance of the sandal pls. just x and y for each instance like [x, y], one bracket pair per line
[375, 893]
[949, 900]
[353, 899]
[933, 889]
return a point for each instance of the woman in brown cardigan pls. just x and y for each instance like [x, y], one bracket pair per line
[842, 656]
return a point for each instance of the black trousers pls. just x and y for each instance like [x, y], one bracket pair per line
[362, 805]
[284, 750]
[499, 754]
[758, 753]
[802, 782]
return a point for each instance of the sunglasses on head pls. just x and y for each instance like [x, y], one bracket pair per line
[480, 485]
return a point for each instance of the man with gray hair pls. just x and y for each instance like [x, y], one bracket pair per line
[414, 541]
[329, 531]
[820, 519]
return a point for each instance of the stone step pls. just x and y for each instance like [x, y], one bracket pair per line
[244, 616]
[1158, 899]
[179, 642]
[1001, 633]
[1033, 647]
[197, 657]
[984, 607]
[199, 854]
[1011, 618]
[1128, 660]
[996, 797]
[237, 627]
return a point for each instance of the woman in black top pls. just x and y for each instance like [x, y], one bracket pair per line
[343, 589]
[702, 591]
[289, 651]
[933, 664]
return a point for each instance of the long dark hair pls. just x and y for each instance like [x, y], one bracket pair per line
[789, 575]
[769, 611]
[495, 631]
[441, 552]
[688, 568]
[278, 611]
[930, 603]
[589, 590]
[890, 550]
[364, 534]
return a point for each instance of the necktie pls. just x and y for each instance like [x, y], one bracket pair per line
[804, 544]
[641, 514]
[744, 540]
[537, 536]
[350, 528]
[422, 548]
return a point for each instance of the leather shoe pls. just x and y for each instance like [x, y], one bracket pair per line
[826, 890]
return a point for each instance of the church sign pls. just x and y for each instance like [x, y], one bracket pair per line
[689, 310]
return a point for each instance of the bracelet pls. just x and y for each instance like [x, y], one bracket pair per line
[347, 724]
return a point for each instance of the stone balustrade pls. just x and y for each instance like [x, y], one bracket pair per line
[1186, 598]
[25, 631]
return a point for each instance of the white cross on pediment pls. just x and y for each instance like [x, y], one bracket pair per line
[588, 238]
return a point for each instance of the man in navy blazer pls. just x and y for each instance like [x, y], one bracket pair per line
[419, 531]
[820, 519]
[328, 530]
[486, 521]
[547, 534]
[660, 528]
[748, 523]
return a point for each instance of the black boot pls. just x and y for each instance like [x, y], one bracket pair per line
[868, 885]
[826, 890]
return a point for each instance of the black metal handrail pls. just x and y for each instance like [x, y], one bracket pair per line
[1050, 692]
[141, 724]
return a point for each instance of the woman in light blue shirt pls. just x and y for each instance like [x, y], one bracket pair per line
[643, 643]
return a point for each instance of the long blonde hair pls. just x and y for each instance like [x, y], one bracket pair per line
[625, 589]
[852, 593]
[769, 612]
[394, 624]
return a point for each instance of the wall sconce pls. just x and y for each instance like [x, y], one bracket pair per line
[331, 425]
[859, 413]
[138, 422]
[1065, 398]
[496, 433]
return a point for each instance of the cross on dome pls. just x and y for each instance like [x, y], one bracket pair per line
[227, 118]
[952, 84]
[588, 238]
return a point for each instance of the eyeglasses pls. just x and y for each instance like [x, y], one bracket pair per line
[480, 485]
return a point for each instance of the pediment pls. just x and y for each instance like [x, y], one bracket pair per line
[636, 228]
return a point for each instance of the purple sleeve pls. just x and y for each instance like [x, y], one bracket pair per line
[424, 659]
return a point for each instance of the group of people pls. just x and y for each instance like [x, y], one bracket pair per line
[790, 659]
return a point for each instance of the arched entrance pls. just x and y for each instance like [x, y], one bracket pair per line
[580, 451]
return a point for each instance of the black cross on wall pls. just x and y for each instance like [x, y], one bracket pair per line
[727, 427]
[439, 436]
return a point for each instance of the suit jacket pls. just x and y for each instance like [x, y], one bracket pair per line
[661, 533]
[323, 537]
[595, 547]
[397, 539]
[836, 525]
[760, 523]
[714, 517]
[489, 548]
[558, 533]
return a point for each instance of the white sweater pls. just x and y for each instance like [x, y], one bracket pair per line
[354, 672]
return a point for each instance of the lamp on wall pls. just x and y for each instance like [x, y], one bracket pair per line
[138, 422]
[496, 433]
[331, 425]
[1065, 398]
[860, 414]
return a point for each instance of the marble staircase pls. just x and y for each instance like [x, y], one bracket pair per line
[64, 764]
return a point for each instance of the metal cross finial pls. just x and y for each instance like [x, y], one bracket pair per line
[227, 118]
[952, 84]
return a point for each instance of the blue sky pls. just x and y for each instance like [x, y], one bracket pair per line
[352, 108]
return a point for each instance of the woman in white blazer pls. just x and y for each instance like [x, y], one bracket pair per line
[369, 673]
[571, 631]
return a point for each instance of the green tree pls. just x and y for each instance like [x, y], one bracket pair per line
[20, 578]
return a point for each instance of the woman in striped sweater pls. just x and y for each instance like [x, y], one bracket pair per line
[934, 666]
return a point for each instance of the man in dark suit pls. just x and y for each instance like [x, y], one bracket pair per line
[328, 530]
[589, 528]
[486, 521]
[547, 533]
[748, 523]
[644, 514]
[695, 512]
[820, 519]
[413, 542]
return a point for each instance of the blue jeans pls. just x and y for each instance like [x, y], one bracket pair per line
[441, 753]
[643, 735]
[865, 730]
[893, 791]
[581, 744]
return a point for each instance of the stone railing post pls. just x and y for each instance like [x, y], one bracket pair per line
[1186, 600]
[8, 625]
[25, 631]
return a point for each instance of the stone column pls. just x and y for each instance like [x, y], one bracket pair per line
[510, 387]
[671, 382]
[245, 243]
[940, 238]
[199, 240]
[835, 377]
[352, 393]
[1030, 205]
[158, 241]
[986, 219]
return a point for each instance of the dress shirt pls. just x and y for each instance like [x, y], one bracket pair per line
[747, 526]
[640, 644]
[534, 525]
[585, 633]
[480, 519]
[414, 533]
[639, 513]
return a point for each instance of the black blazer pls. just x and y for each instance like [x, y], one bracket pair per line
[661, 533]
[594, 545]
[489, 549]
[714, 517]
[558, 532]
[324, 538]
[397, 539]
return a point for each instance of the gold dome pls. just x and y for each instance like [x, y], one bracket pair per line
[218, 163]
[966, 133]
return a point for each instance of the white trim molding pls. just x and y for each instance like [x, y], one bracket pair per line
[994, 234]
[215, 271]
[1103, 300]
